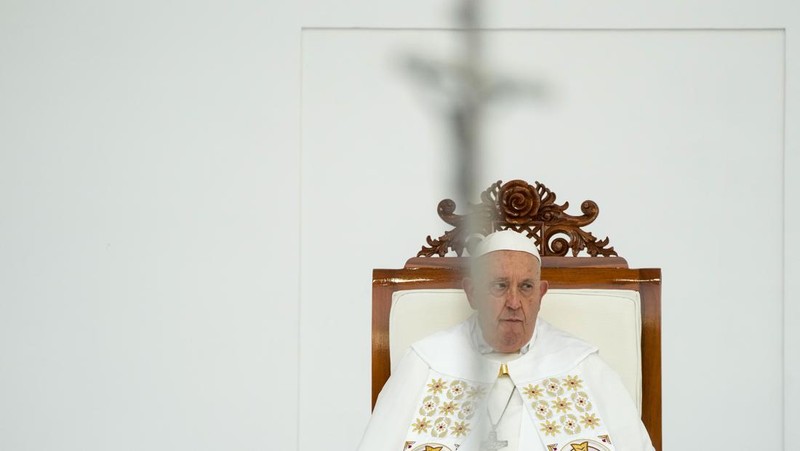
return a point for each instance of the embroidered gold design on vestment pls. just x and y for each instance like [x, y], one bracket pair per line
[562, 409]
[446, 410]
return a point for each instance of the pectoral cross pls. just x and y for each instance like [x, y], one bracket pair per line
[492, 444]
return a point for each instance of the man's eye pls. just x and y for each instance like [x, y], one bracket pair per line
[526, 288]
[498, 287]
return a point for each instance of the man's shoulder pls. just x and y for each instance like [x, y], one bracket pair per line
[550, 339]
[450, 353]
[451, 339]
[554, 351]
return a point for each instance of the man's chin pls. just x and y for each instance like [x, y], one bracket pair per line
[511, 338]
[509, 347]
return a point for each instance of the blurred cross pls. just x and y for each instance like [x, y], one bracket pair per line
[463, 89]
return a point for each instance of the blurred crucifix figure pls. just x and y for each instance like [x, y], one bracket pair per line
[463, 89]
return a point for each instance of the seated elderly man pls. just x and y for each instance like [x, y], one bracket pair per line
[504, 380]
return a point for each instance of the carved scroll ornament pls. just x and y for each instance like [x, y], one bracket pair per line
[524, 208]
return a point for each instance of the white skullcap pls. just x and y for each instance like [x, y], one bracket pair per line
[506, 240]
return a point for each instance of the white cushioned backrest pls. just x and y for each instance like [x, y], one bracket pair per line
[608, 319]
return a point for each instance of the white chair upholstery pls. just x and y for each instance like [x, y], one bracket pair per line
[608, 319]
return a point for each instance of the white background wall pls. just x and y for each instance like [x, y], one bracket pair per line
[170, 213]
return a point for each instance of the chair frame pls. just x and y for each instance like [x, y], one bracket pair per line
[445, 273]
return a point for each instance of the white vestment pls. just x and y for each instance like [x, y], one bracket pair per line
[445, 395]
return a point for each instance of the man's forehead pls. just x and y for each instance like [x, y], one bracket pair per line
[506, 260]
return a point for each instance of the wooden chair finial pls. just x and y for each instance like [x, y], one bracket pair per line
[524, 208]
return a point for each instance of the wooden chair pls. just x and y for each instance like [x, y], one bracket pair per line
[530, 210]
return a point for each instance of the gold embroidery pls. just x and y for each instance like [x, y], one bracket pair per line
[429, 406]
[421, 425]
[590, 421]
[436, 386]
[550, 428]
[570, 423]
[460, 429]
[533, 391]
[580, 446]
[561, 408]
[467, 410]
[457, 389]
[561, 405]
[553, 387]
[448, 408]
[476, 392]
[440, 427]
[542, 410]
[572, 383]
[581, 401]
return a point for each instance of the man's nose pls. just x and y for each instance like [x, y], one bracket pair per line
[513, 298]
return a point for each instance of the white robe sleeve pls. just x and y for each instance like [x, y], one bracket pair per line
[388, 427]
[615, 406]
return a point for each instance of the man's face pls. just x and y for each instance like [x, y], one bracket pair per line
[507, 293]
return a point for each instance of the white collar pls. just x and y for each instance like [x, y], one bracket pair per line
[480, 344]
[453, 352]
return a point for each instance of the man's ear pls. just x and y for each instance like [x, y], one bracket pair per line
[469, 288]
[543, 286]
